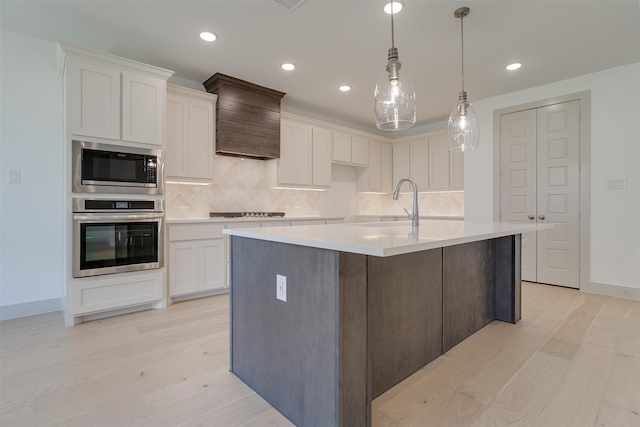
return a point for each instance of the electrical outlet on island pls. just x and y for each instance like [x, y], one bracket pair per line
[281, 287]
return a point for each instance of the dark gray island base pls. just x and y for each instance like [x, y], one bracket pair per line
[355, 325]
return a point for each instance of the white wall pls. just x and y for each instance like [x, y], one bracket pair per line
[31, 213]
[615, 153]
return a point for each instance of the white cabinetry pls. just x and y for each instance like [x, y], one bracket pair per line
[456, 170]
[304, 156]
[94, 99]
[349, 149]
[113, 291]
[428, 161]
[196, 258]
[114, 98]
[190, 135]
[377, 177]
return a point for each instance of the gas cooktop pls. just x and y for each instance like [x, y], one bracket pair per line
[245, 214]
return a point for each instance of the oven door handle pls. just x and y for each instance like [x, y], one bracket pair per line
[116, 217]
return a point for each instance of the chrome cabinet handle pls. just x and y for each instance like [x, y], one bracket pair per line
[531, 217]
[541, 217]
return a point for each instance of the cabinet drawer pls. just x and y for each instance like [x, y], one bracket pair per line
[121, 290]
[198, 231]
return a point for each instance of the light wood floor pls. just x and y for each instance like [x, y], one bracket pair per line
[573, 360]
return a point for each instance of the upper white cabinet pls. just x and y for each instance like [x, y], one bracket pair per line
[190, 132]
[113, 98]
[428, 161]
[411, 159]
[321, 157]
[349, 149]
[143, 99]
[305, 155]
[94, 98]
[456, 170]
[377, 177]
[438, 163]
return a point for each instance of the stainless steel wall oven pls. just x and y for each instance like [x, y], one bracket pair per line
[104, 168]
[114, 236]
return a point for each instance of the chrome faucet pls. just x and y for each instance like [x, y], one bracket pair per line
[415, 215]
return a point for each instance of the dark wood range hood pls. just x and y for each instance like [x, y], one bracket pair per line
[247, 118]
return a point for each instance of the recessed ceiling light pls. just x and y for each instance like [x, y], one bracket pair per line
[345, 88]
[207, 36]
[514, 66]
[397, 7]
[288, 67]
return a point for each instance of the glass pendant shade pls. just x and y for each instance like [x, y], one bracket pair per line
[395, 99]
[463, 122]
[463, 128]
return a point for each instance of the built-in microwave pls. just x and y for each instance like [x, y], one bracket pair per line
[104, 168]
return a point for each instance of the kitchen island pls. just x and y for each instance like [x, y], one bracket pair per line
[326, 318]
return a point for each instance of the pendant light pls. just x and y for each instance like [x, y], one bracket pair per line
[395, 99]
[463, 123]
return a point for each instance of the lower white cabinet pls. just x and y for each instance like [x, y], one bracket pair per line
[114, 291]
[196, 258]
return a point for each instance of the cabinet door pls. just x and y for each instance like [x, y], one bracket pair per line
[302, 152]
[401, 162]
[183, 268]
[420, 163]
[456, 170]
[176, 159]
[341, 149]
[438, 163]
[375, 179]
[359, 151]
[294, 166]
[286, 162]
[94, 99]
[201, 131]
[143, 100]
[386, 168]
[321, 157]
[211, 264]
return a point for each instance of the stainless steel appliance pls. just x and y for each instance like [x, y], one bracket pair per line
[114, 236]
[104, 168]
[245, 214]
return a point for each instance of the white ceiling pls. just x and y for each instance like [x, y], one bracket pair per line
[346, 42]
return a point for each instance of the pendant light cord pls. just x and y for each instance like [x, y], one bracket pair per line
[462, 43]
[392, 36]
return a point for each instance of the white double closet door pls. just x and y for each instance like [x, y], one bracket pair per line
[540, 183]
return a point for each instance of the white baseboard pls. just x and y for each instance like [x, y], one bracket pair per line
[612, 290]
[32, 308]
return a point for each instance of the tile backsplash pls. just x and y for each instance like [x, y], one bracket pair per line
[443, 203]
[242, 185]
[239, 185]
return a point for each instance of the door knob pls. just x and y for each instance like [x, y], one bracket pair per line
[531, 217]
[541, 217]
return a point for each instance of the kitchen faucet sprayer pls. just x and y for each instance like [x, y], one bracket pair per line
[415, 215]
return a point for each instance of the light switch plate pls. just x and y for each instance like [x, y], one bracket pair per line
[616, 184]
[281, 287]
[14, 177]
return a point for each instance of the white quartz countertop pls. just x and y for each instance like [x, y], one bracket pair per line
[386, 238]
[250, 219]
